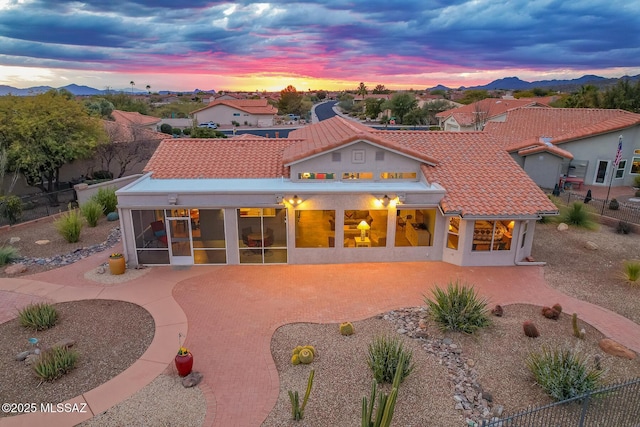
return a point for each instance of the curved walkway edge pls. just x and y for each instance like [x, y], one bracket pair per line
[152, 294]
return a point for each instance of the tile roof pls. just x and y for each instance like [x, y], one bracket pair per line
[218, 158]
[559, 124]
[124, 133]
[489, 107]
[251, 106]
[133, 118]
[336, 132]
[477, 173]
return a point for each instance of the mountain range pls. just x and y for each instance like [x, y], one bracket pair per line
[507, 83]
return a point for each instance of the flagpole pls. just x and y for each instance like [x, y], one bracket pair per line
[613, 171]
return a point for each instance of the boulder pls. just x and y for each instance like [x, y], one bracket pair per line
[14, 240]
[191, 380]
[22, 355]
[614, 348]
[113, 216]
[43, 242]
[591, 246]
[15, 269]
[563, 227]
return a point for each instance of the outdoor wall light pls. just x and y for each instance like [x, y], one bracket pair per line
[173, 199]
[279, 198]
[295, 200]
[385, 200]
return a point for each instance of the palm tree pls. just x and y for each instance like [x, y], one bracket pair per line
[149, 89]
[362, 90]
[132, 83]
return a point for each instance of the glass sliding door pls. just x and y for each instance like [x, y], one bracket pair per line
[262, 235]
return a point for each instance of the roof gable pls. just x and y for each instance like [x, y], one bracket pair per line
[251, 106]
[133, 118]
[488, 107]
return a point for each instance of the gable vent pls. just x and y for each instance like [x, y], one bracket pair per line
[336, 157]
[379, 156]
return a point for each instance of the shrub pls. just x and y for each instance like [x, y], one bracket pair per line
[384, 357]
[577, 214]
[637, 193]
[614, 205]
[54, 363]
[11, 208]
[636, 182]
[631, 271]
[186, 131]
[562, 374]
[102, 175]
[166, 128]
[458, 308]
[69, 225]
[92, 211]
[623, 228]
[7, 254]
[38, 316]
[107, 198]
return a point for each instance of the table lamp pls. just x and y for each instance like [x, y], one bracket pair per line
[363, 227]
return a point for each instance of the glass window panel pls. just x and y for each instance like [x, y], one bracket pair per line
[208, 228]
[148, 228]
[453, 230]
[635, 165]
[150, 257]
[209, 256]
[315, 228]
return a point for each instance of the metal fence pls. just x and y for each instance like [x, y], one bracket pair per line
[616, 405]
[628, 212]
[40, 205]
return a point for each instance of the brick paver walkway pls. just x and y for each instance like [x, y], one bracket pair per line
[232, 312]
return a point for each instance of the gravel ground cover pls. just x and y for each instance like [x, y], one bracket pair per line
[426, 397]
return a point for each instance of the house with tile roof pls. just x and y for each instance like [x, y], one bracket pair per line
[252, 112]
[133, 118]
[472, 117]
[332, 192]
[571, 146]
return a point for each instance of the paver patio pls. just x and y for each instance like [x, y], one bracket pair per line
[232, 312]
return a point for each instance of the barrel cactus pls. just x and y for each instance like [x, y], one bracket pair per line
[297, 350]
[312, 348]
[305, 356]
[295, 359]
[346, 328]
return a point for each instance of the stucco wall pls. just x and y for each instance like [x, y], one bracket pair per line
[543, 169]
[224, 115]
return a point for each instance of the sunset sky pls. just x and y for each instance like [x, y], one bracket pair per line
[332, 45]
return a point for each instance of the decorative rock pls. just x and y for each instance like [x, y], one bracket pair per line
[43, 242]
[591, 246]
[497, 311]
[22, 355]
[100, 269]
[192, 380]
[471, 363]
[31, 359]
[66, 342]
[14, 240]
[112, 216]
[15, 269]
[530, 259]
[562, 227]
[616, 349]
[421, 334]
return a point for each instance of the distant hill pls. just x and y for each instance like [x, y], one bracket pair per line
[82, 90]
[514, 83]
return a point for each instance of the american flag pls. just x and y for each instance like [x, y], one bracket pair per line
[618, 153]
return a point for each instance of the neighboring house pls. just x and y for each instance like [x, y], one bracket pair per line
[253, 112]
[473, 117]
[332, 192]
[571, 145]
[128, 118]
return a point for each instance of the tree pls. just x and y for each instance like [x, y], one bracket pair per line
[416, 116]
[290, 102]
[345, 102]
[586, 97]
[321, 95]
[132, 83]
[373, 107]
[474, 95]
[99, 107]
[126, 146]
[623, 95]
[123, 102]
[44, 132]
[362, 90]
[400, 104]
[434, 107]
[380, 90]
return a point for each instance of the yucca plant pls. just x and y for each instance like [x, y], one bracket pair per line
[579, 215]
[631, 271]
[458, 308]
[55, 362]
[38, 316]
[69, 225]
[562, 374]
[91, 211]
[384, 358]
[8, 254]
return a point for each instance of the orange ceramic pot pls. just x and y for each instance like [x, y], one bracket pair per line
[117, 265]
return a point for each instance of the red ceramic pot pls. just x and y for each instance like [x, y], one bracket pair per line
[184, 364]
